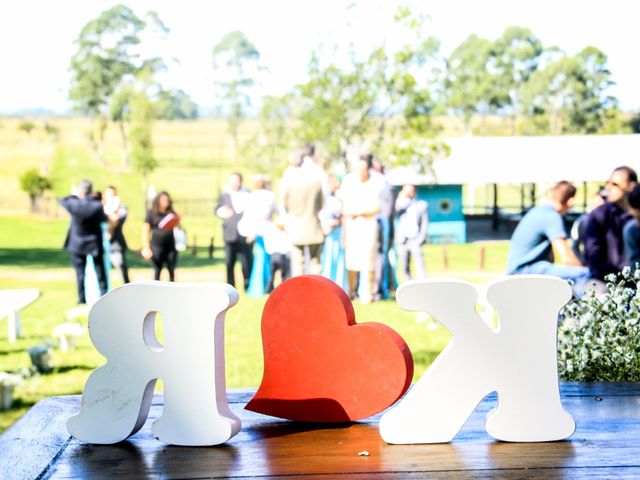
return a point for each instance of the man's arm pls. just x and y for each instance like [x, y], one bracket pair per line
[565, 253]
[69, 203]
[223, 207]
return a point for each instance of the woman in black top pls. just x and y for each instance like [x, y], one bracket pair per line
[158, 241]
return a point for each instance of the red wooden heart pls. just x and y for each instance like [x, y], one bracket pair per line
[319, 365]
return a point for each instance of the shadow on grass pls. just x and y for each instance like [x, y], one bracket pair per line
[34, 257]
[21, 403]
[59, 258]
[11, 351]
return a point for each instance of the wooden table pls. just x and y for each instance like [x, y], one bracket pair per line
[606, 444]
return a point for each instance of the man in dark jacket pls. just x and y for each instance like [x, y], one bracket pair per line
[603, 238]
[230, 208]
[85, 235]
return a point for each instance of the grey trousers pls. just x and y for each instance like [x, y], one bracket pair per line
[305, 259]
[407, 250]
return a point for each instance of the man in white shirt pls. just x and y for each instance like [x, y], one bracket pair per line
[230, 208]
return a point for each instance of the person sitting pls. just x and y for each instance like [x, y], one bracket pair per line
[540, 232]
[603, 242]
[631, 231]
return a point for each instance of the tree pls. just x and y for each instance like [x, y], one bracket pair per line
[275, 135]
[569, 95]
[235, 61]
[104, 62]
[118, 112]
[101, 62]
[334, 106]
[593, 102]
[175, 105]
[26, 126]
[467, 83]
[513, 58]
[381, 99]
[34, 185]
[142, 116]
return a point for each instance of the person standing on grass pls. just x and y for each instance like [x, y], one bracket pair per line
[603, 238]
[541, 232]
[411, 232]
[116, 215]
[84, 237]
[230, 208]
[158, 242]
[302, 200]
[361, 203]
[258, 210]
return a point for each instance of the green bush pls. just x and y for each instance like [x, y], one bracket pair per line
[26, 126]
[600, 337]
[35, 185]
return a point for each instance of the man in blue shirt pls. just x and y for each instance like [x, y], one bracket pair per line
[541, 232]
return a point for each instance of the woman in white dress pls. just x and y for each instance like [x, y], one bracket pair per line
[360, 195]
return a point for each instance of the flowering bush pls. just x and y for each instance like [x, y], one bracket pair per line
[600, 337]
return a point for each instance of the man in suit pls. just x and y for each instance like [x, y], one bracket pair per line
[85, 235]
[412, 230]
[302, 200]
[229, 208]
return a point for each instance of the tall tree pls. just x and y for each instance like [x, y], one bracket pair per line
[593, 100]
[335, 105]
[513, 58]
[103, 58]
[106, 59]
[235, 61]
[467, 83]
[381, 98]
[35, 185]
[176, 105]
[570, 94]
[275, 137]
[142, 116]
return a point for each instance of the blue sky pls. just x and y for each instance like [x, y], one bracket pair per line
[36, 37]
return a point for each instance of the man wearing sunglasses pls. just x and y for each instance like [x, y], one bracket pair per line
[603, 238]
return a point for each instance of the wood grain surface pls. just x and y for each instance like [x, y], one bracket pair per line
[606, 444]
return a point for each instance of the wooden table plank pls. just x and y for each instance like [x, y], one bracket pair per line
[606, 444]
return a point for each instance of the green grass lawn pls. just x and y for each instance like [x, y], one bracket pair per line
[31, 257]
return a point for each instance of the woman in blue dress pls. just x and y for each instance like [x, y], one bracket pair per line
[258, 212]
[333, 266]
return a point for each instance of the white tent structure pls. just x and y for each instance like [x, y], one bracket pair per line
[520, 160]
[484, 161]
